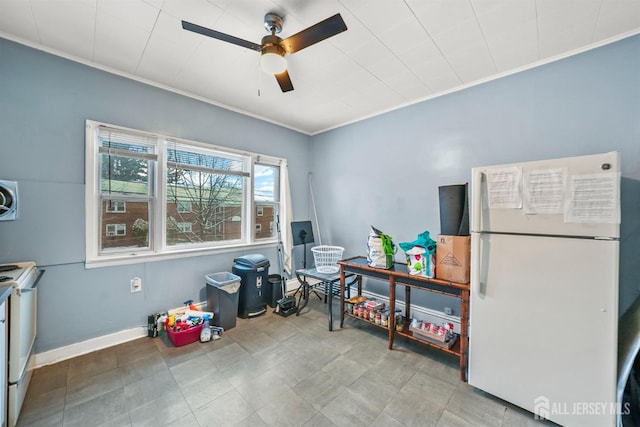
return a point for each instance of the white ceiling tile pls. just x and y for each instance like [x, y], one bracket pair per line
[370, 53]
[197, 11]
[346, 94]
[437, 74]
[387, 67]
[616, 17]
[361, 79]
[440, 16]
[16, 18]
[515, 47]
[118, 44]
[167, 49]
[378, 15]
[66, 25]
[554, 16]
[498, 16]
[516, 57]
[377, 96]
[465, 33]
[407, 85]
[424, 52]
[154, 3]
[472, 63]
[222, 4]
[132, 13]
[403, 36]
[567, 40]
[353, 4]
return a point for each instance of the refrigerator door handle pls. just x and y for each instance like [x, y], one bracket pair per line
[476, 200]
[476, 258]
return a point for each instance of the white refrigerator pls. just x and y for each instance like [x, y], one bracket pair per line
[544, 286]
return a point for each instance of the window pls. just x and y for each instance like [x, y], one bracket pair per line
[174, 196]
[116, 230]
[116, 206]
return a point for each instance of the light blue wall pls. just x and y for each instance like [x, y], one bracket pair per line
[386, 170]
[44, 102]
[383, 171]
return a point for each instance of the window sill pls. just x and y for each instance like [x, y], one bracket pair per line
[120, 259]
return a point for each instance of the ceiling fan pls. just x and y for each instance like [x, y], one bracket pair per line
[273, 48]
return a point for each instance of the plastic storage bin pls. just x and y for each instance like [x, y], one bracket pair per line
[180, 338]
[222, 298]
[253, 271]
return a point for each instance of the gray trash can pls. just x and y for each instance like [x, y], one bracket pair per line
[253, 270]
[222, 298]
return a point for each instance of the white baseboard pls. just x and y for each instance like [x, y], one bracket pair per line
[105, 341]
[78, 349]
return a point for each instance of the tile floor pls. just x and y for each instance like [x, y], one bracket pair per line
[267, 371]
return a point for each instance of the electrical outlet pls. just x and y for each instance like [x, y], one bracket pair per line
[448, 310]
[136, 284]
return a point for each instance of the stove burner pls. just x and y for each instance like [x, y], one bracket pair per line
[8, 267]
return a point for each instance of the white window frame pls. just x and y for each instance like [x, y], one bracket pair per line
[258, 228]
[260, 210]
[159, 250]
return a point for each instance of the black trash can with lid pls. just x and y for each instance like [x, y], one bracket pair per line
[222, 298]
[253, 270]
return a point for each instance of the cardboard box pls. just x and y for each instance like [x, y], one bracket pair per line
[453, 257]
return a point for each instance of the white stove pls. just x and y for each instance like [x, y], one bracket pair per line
[23, 301]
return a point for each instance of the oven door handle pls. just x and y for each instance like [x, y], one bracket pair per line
[33, 286]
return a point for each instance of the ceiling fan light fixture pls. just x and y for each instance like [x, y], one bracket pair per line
[272, 60]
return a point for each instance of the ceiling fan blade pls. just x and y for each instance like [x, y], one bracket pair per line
[220, 36]
[314, 34]
[284, 81]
